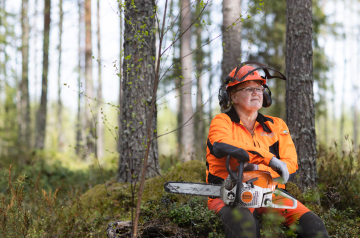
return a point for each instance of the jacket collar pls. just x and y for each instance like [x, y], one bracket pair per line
[260, 119]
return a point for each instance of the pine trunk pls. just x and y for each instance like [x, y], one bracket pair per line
[199, 116]
[138, 81]
[120, 70]
[187, 130]
[24, 107]
[41, 116]
[231, 37]
[210, 86]
[179, 116]
[35, 107]
[100, 125]
[89, 88]
[59, 112]
[356, 117]
[300, 110]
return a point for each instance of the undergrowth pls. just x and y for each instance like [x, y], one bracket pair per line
[49, 200]
[193, 215]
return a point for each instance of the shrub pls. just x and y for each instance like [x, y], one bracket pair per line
[339, 178]
[193, 215]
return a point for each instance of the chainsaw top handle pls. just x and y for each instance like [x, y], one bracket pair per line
[241, 156]
[241, 160]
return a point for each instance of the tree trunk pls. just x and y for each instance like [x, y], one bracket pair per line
[24, 107]
[300, 111]
[138, 81]
[120, 71]
[199, 116]
[342, 120]
[100, 125]
[89, 88]
[59, 112]
[41, 116]
[356, 117]
[187, 133]
[231, 37]
[78, 123]
[33, 137]
[356, 93]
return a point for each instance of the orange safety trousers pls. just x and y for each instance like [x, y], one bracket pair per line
[290, 215]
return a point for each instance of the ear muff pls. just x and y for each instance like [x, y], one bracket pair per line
[224, 98]
[267, 101]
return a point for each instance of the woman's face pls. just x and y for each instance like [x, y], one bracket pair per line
[246, 100]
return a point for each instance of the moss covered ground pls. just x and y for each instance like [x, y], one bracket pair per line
[114, 199]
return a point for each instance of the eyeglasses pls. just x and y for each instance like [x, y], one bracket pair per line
[258, 90]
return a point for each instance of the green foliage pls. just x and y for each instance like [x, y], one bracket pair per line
[193, 215]
[15, 220]
[53, 171]
[40, 198]
[271, 226]
[339, 176]
[341, 223]
[40, 214]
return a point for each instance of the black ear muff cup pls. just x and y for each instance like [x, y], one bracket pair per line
[267, 101]
[224, 101]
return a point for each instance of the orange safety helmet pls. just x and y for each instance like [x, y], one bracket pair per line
[255, 75]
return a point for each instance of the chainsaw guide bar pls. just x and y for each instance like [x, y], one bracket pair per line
[196, 189]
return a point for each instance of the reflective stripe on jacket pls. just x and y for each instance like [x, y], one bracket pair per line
[271, 138]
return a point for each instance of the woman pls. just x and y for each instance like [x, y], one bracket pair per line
[267, 141]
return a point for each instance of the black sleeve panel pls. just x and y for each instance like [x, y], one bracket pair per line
[292, 176]
[210, 146]
[222, 150]
[274, 149]
[214, 179]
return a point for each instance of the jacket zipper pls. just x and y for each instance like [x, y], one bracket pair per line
[250, 132]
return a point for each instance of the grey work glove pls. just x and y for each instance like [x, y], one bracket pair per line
[250, 167]
[280, 167]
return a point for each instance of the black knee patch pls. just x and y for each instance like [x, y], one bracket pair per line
[238, 222]
[311, 226]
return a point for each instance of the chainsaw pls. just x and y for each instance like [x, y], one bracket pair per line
[250, 189]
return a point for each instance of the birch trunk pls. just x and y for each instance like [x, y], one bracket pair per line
[300, 110]
[187, 131]
[59, 112]
[41, 115]
[100, 125]
[78, 123]
[138, 82]
[231, 37]
[89, 88]
[24, 107]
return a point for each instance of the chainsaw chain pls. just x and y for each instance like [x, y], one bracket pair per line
[168, 190]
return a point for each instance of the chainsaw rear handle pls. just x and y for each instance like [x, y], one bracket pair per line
[238, 179]
[281, 193]
[239, 182]
[228, 168]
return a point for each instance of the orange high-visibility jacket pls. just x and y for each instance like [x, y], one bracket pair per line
[227, 133]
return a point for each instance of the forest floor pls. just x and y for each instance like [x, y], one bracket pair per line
[43, 199]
